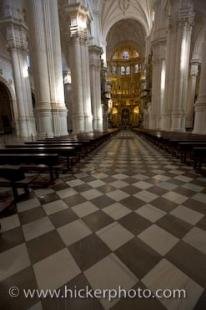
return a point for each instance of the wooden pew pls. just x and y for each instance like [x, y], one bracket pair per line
[179, 144]
[199, 157]
[15, 178]
[185, 148]
[63, 151]
[36, 161]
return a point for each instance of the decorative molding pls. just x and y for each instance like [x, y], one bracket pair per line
[16, 37]
[124, 5]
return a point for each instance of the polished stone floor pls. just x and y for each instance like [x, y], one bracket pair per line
[129, 215]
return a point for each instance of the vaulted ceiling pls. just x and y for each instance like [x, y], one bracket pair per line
[113, 11]
[123, 32]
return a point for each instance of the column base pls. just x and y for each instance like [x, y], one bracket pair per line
[165, 122]
[105, 122]
[189, 124]
[200, 120]
[88, 122]
[26, 127]
[178, 122]
[59, 117]
[98, 124]
[78, 123]
[44, 123]
[152, 122]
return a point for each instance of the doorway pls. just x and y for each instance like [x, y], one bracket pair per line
[5, 110]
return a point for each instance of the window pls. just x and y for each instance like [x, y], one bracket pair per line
[128, 70]
[113, 70]
[125, 55]
[136, 68]
[122, 70]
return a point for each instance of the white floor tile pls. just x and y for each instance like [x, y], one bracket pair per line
[116, 210]
[37, 228]
[84, 208]
[55, 206]
[117, 195]
[158, 239]
[150, 212]
[175, 197]
[13, 261]
[114, 235]
[74, 232]
[146, 196]
[197, 238]
[56, 270]
[167, 276]
[9, 222]
[188, 215]
[110, 273]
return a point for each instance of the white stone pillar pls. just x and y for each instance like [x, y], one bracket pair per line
[183, 42]
[158, 51]
[191, 95]
[58, 108]
[79, 63]
[200, 106]
[169, 78]
[88, 117]
[47, 67]
[76, 74]
[16, 36]
[95, 81]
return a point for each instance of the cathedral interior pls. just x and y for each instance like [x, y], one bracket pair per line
[103, 154]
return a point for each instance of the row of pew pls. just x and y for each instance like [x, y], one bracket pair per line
[49, 155]
[190, 148]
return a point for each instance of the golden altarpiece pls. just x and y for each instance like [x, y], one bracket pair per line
[124, 77]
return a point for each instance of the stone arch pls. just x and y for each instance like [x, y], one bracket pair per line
[7, 113]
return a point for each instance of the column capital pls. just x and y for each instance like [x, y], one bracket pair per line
[186, 16]
[16, 37]
[94, 56]
[15, 29]
[95, 49]
[194, 68]
[79, 18]
[159, 51]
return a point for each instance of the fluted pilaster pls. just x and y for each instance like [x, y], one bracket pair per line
[190, 107]
[200, 106]
[16, 36]
[95, 80]
[79, 62]
[183, 42]
[47, 67]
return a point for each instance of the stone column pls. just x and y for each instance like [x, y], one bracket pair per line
[47, 67]
[191, 95]
[58, 108]
[106, 97]
[183, 42]
[16, 35]
[79, 63]
[200, 106]
[169, 77]
[95, 81]
[158, 51]
[68, 97]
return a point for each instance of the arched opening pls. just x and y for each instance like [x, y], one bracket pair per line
[125, 53]
[6, 115]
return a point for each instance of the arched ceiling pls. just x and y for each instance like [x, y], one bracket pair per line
[113, 11]
[123, 32]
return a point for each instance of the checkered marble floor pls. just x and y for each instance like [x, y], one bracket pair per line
[129, 215]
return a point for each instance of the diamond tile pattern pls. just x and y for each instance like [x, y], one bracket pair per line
[127, 215]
